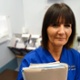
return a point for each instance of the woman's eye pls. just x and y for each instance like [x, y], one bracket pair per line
[55, 25]
[58, 25]
[67, 25]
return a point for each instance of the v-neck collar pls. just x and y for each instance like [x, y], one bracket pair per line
[51, 59]
[64, 56]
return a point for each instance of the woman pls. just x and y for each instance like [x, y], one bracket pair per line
[58, 33]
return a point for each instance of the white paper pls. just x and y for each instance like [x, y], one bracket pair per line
[51, 71]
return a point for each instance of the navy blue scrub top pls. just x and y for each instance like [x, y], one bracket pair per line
[41, 55]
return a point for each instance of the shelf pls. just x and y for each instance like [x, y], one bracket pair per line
[19, 56]
[19, 53]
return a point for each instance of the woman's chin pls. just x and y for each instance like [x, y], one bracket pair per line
[60, 44]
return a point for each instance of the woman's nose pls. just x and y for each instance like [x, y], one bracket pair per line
[61, 29]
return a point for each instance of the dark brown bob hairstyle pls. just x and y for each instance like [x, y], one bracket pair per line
[52, 16]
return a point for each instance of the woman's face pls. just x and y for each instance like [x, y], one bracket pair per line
[58, 35]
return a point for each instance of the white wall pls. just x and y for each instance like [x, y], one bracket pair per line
[33, 14]
[13, 9]
[34, 11]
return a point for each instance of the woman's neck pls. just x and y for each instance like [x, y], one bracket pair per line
[55, 52]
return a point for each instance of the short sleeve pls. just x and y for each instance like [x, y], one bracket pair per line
[78, 69]
[24, 63]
